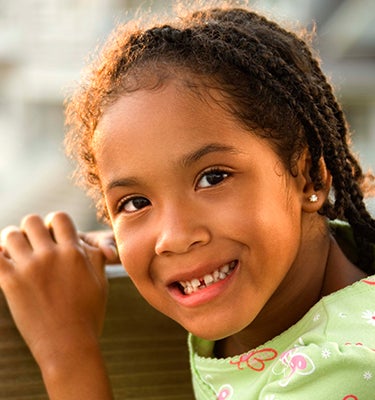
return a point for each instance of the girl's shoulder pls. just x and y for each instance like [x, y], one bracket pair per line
[349, 313]
[341, 318]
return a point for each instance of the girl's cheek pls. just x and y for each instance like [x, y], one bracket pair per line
[132, 251]
[135, 243]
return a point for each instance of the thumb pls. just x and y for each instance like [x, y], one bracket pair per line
[104, 240]
[109, 249]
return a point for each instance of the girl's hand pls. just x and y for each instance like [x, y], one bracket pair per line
[56, 289]
[105, 241]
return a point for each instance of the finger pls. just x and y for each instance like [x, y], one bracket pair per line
[109, 249]
[3, 251]
[6, 264]
[62, 227]
[87, 238]
[110, 252]
[105, 241]
[16, 243]
[96, 258]
[36, 231]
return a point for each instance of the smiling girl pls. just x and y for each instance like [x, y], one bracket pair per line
[216, 151]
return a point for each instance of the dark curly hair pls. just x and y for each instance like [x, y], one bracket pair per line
[269, 78]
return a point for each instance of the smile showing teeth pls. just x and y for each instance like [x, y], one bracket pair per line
[219, 274]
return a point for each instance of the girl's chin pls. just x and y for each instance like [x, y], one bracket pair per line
[213, 333]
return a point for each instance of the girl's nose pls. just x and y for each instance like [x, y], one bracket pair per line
[180, 232]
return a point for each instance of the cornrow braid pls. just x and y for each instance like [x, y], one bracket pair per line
[274, 84]
[344, 167]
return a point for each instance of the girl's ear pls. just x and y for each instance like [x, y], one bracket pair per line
[313, 200]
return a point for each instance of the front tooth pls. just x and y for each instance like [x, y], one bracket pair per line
[208, 279]
[188, 290]
[195, 283]
[216, 275]
[224, 269]
[222, 275]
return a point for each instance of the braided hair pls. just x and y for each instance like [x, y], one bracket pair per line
[271, 82]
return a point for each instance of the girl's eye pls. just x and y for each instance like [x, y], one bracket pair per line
[212, 178]
[133, 204]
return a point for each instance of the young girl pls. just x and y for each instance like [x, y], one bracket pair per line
[217, 152]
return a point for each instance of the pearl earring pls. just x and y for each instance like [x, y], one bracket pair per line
[313, 198]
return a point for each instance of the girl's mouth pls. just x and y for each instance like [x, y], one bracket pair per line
[196, 284]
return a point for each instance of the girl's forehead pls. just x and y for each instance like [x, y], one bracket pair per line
[172, 81]
[185, 104]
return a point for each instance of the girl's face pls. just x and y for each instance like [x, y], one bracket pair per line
[207, 220]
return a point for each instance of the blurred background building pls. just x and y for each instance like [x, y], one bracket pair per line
[44, 44]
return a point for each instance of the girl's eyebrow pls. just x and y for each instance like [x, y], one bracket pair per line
[122, 182]
[185, 161]
[197, 154]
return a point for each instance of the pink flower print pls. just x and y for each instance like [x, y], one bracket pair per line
[225, 393]
[256, 360]
[369, 281]
[370, 316]
[356, 344]
[293, 362]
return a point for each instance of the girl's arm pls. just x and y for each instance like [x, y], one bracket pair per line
[56, 289]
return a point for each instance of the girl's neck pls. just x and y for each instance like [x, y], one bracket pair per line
[329, 270]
